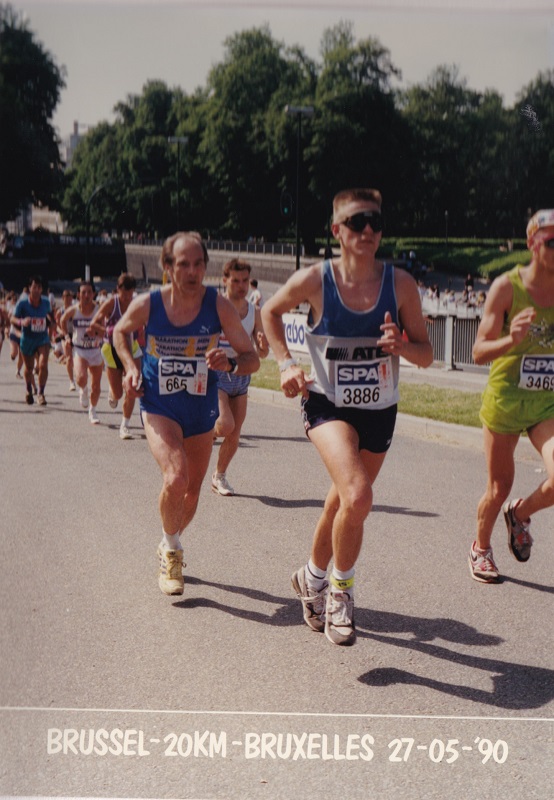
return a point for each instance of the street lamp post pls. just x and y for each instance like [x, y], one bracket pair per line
[300, 111]
[446, 231]
[178, 140]
[87, 227]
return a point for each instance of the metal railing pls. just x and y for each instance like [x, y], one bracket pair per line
[227, 245]
[264, 248]
[452, 339]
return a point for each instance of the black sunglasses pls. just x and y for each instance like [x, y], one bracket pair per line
[549, 243]
[357, 222]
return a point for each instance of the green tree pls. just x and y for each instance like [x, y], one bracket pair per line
[134, 162]
[533, 154]
[95, 162]
[359, 137]
[144, 180]
[30, 86]
[441, 114]
[240, 147]
[489, 170]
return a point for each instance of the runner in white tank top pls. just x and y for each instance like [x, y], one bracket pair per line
[233, 389]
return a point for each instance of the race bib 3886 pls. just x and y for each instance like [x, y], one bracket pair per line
[364, 384]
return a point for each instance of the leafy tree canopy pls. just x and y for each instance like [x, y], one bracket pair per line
[30, 87]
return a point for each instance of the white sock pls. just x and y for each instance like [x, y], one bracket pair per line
[343, 581]
[171, 541]
[126, 422]
[315, 577]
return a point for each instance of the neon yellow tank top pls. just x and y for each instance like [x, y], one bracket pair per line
[513, 374]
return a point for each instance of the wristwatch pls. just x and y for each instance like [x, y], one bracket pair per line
[234, 366]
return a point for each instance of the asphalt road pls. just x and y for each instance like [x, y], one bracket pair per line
[110, 689]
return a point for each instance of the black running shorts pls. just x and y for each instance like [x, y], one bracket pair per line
[374, 428]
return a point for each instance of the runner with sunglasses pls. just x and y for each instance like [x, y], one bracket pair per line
[363, 315]
[516, 333]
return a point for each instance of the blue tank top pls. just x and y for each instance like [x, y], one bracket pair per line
[347, 365]
[36, 334]
[174, 364]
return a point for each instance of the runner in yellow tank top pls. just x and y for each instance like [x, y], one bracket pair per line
[516, 334]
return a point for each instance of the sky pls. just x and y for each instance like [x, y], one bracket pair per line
[111, 48]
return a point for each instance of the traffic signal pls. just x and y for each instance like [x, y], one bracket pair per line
[286, 204]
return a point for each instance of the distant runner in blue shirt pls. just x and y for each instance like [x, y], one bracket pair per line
[33, 314]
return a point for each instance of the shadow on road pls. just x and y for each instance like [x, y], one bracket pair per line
[539, 587]
[286, 613]
[515, 686]
[279, 502]
[402, 510]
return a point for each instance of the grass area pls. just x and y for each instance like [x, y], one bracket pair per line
[444, 405]
[419, 400]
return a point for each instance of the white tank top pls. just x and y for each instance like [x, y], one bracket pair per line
[248, 324]
[80, 336]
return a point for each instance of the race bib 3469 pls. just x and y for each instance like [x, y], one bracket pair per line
[537, 373]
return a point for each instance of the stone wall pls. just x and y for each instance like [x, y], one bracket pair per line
[142, 262]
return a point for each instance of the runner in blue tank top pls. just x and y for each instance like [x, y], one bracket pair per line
[33, 316]
[363, 316]
[178, 395]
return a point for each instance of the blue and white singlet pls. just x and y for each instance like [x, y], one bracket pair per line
[347, 365]
[176, 380]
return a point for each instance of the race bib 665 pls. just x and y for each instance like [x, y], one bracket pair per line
[176, 374]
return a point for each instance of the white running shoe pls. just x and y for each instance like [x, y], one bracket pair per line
[72, 386]
[482, 567]
[339, 619]
[220, 485]
[124, 432]
[93, 416]
[313, 602]
[112, 402]
[170, 571]
[83, 397]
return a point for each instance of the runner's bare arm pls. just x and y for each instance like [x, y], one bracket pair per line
[260, 339]
[135, 317]
[247, 359]
[489, 343]
[97, 323]
[68, 314]
[303, 286]
[415, 346]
